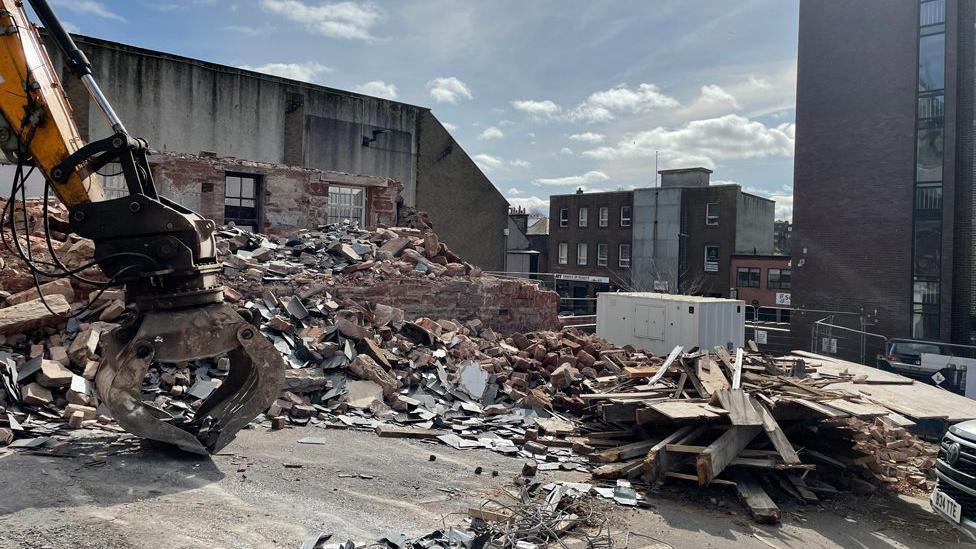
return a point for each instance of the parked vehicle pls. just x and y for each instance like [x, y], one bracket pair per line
[929, 362]
[954, 495]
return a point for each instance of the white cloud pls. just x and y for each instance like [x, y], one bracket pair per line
[348, 20]
[537, 109]
[514, 190]
[487, 162]
[574, 180]
[532, 204]
[714, 94]
[71, 27]
[606, 105]
[783, 198]
[88, 7]
[519, 163]
[730, 136]
[566, 151]
[449, 127]
[248, 30]
[306, 72]
[588, 137]
[506, 123]
[448, 89]
[377, 88]
[491, 132]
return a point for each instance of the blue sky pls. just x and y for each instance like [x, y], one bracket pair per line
[545, 95]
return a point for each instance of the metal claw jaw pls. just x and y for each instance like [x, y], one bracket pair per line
[252, 384]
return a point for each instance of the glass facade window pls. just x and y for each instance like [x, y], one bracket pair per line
[929, 163]
[931, 62]
[929, 155]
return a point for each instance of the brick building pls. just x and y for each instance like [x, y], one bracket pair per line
[269, 197]
[195, 107]
[884, 167]
[676, 238]
[764, 282]
[589, 244]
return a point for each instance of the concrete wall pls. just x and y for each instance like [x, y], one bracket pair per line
[656, 250]
[188, 106]
[466, 210]
[754, 221]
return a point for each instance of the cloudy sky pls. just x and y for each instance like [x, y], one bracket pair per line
[545, 95]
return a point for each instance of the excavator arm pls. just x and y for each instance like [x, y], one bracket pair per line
[164, 253]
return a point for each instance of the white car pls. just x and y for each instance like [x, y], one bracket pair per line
[954, 496]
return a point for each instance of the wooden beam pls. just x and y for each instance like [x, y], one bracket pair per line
[624, 469]
[658, 461]
[737, 403]
[693, 478]
[737, 370]
[755, 499]
[720, 453]
[776, 434]
[675, 353]
[627, 451]
[685, 448]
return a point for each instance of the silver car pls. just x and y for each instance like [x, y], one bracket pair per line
[954, 496]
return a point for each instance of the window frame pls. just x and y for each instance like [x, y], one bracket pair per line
[562, 253]
[602, 255]
[712, 220]
[583, 217]
[750, 280]
[353, 191]
[625, 221]
[603, 217]
[621, 262]
[582, 253]
[564, 217]
[779, 284]
[254, 196]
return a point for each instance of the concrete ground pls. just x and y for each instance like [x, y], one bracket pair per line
[267, 490]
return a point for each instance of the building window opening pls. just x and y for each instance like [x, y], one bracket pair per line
[779, 279]
[625, 216]
[584, 217]
[563, 253]
[581, 253]
[564, 217]
[711, 213]
[347, 203]
[748, 277]
[623, 256]
[711, 259]
[240, 200]
[601, 254]
[604, 216]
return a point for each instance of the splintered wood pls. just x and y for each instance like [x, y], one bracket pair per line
[726, 418]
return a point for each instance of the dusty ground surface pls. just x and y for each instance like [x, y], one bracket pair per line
[362, 487]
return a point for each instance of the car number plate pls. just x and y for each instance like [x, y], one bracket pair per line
[947, 505]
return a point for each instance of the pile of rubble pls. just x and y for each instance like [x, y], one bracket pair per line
[561, 400]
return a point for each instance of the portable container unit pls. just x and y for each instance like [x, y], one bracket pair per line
[658, 322]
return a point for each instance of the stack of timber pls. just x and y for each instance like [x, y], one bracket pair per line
[761, 426]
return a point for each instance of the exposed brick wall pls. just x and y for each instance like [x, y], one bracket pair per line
[290, 198]
[504, 305]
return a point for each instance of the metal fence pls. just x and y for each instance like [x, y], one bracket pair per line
[829, 337]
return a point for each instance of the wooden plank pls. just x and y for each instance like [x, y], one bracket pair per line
[685, 448]
[392, 431]
[737, 369]
[680, 387]
[711, 376]
[680, 410]
[826, 411]
[776, 434]
[691, 370]
[620, 413]
[658, 460]
[675, 353]
[859, 409]
[725, 357]
[489, 516]
[693, 478]
[624, 469]
[641, 372]
[741, 411]
[720, 453]
[627, 451]
[621, 396]
[755, 499]
[801, 487]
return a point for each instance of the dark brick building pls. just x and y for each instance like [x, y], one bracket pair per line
[590, 243]
[883, 180]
